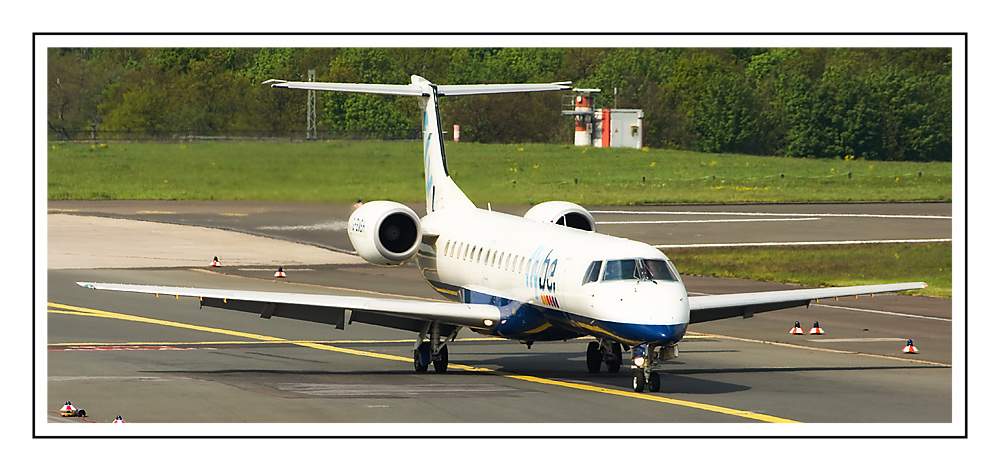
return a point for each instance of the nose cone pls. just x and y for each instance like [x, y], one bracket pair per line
[645, 312]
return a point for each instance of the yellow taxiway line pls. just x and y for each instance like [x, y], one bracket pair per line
[56, 308]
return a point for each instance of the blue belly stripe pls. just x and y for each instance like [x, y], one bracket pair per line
[520, 321]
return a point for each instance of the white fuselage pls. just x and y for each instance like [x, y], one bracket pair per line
[535, 273]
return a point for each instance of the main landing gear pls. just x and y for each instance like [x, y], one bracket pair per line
[604, 351]
[645, 358]
[432, 347]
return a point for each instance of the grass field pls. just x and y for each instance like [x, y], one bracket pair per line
[499, 174]
[532, 173]
[826, 265]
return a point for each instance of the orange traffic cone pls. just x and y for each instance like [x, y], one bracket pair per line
[118, 420]
[909, 348]
[797, 330]
[215, 262]
[816, 330]
[279, 273]
[69, 410]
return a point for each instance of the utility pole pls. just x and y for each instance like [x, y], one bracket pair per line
[311, 109]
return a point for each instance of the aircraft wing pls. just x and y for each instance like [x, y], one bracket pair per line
[721, 306]
[327, 309]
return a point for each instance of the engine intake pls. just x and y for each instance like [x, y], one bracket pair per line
[384, 232]
[563, 213]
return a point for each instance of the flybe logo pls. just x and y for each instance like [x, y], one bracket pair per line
[541, 276]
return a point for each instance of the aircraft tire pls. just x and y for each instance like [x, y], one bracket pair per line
[654, 382]
[440, 366]
[639, 380]
[594, 357]
[424, 351]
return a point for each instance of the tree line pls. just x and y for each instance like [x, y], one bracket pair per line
[870, 103]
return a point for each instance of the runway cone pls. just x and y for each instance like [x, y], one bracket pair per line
[215, 262]
[909, 348]
[279, 273]
[797, 330]
[68, 408]
[118, 420]
[816, 330]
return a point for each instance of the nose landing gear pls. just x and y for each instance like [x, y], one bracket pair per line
[645, 359]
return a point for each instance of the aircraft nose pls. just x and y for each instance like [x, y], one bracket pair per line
[648, 312]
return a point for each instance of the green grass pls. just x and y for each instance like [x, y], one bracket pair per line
[826, 265]
[532, 173]
[499, 174]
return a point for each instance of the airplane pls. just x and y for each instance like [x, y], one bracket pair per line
[544, 276]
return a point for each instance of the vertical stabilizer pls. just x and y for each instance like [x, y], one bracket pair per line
[441, 191]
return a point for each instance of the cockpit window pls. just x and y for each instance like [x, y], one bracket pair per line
[658, 270]
[621, 270]
[638, 269]
[593, 272]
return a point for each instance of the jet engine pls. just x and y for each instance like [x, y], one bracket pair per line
[562, 213]
[384, 232]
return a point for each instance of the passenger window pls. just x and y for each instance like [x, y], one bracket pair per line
[593, 272]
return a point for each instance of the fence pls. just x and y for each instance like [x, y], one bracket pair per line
[155, 135]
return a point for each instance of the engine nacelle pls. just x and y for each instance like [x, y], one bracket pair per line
[384, 232]
[563, 213]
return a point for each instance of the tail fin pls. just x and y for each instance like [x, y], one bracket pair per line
[441, 190]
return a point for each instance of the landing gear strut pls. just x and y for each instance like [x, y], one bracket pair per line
[432, 348]
[644, 359]
[604, 351]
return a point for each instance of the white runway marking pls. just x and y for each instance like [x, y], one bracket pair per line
[826, 242]
[888, 313]
[693, 221]
[323, 226]
[879, 339]
[733, 213]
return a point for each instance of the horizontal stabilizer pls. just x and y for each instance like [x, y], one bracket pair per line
[454, 90]
[382, 89]
[421, 87]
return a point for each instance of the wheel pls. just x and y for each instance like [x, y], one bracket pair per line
[594, 357]
[421, 357]
[639, 380]
[616, 363]
[654, 382]
[441, 365]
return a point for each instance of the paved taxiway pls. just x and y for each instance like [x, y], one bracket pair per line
[164, 360]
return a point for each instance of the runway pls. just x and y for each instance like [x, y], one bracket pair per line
[162, 360]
